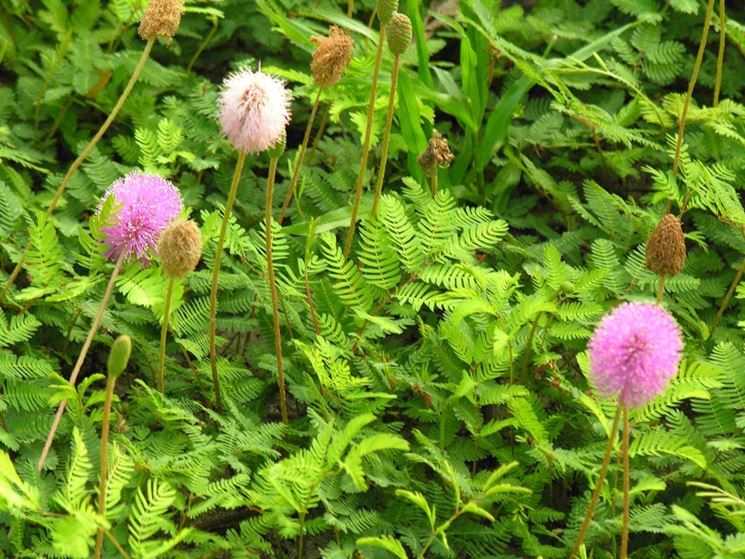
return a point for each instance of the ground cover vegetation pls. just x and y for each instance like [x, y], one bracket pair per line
[371, 279]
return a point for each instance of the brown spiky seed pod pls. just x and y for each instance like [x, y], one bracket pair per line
[161, 19]
[331, 56]
[179, 248]
[386, 8]
[666, 248]
[399, 33]
[437, 154]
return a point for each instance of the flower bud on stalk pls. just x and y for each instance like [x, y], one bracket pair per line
[161, 19]
[666, 248]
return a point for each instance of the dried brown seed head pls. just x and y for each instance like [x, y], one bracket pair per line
[666, 249]
[331, 57]
[161, 19]
[436, 155]
[179, 248]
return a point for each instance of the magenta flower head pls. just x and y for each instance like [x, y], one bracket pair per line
[634, 352]
[146, 205]
[254, 110]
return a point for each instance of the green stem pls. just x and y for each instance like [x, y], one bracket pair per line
[163, 337]
[110, 382]
[309, 299]
[216, 274]
[319, 134]
[529, 348]
[202, 46]
[301, 537]
[366, 143]
[434, 182]
[387, 136]
[691, 85]
[291, 191]
[74, 167]
[727, 297]
[660, 289]
[81, 359]
[720, 53]
[598, 486]
[273, 289]
[626, 484]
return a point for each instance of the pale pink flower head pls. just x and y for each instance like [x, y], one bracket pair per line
[254, 110]
[634, 352]
[146, 205]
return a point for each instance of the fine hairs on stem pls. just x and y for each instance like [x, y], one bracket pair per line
[216, 274]
[598, 485]
[366, 143]
[79, 160]
[626, 484]
[164, 336]
[291, 191]
[81, 359]
[273, 289]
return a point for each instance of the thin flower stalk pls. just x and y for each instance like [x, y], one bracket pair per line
[117, 362]
[216, 274]
[720, 52]
[81, 359]
[80, 159]
[387, 135]
[726, 300]
[598, 486]
[292, 190]
[689, 93]
[105, 424]
[626, 485]
[366, 142]
[164, 337]
[273, 288]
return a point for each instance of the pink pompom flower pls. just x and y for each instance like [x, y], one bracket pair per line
[146, 205]
[254, 110]
[634, 352]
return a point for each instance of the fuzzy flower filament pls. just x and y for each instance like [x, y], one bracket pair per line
[634, 352]
[254, 110]
[146, 205]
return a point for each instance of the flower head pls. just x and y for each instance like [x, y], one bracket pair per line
[634, 352]
[254, 110]
[179, 248]
[146, 205]
[331, 56]
[399, 33]
[161, 19]
[666, 247]
[436, 155]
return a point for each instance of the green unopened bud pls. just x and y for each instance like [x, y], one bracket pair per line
[278, 148]
[386, 9]
[399, 33]
[119, 356]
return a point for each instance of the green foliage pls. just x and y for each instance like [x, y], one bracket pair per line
[438, 379]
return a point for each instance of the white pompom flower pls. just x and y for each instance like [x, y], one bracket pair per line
[254, 110]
